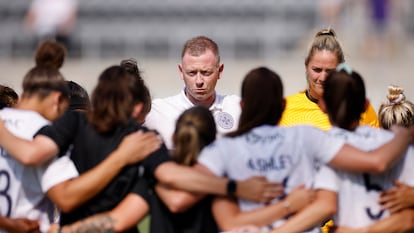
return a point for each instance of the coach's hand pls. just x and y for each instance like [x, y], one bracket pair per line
[258, 189]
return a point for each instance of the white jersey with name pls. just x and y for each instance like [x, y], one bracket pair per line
[282, 154]
[165, 112]
[23, 188]
[358, 193]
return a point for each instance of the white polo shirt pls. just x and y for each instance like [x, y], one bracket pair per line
[165, 112]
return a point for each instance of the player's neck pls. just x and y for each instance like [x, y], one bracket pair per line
[311, 97]
[31, 104]
[34, 104]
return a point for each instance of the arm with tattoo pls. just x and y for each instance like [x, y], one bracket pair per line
[101, 223]
[124, 216]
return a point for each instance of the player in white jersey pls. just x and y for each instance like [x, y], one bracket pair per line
[352, 197]
[77, 130]
[397, 200]
[23, 187]
[200, 69]
[281, 154]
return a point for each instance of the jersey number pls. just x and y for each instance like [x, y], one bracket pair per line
[372, 187]
[3, 191]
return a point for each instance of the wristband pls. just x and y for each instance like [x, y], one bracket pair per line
[231, 187]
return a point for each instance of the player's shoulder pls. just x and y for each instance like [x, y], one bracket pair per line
[375, 133]
[163, 100]
[23, 115]
[299, 102]
[302, 129]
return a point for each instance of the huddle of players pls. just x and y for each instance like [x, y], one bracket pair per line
[337, 90]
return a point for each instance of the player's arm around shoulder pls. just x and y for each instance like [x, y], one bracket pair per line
[124, 216]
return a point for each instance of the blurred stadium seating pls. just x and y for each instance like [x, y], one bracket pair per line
[243, 28]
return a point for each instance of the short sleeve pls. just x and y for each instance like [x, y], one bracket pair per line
[57, 171]
[142, 188]
[62, 131]
[324, 146]
[326, 178]
[155, 159]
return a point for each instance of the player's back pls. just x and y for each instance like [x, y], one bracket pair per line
[358, 193]
[281, 154]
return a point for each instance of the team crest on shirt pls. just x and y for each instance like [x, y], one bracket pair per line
[224, 120]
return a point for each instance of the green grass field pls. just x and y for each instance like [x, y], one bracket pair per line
[144, 225]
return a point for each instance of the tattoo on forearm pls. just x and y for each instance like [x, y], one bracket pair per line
[95, 224]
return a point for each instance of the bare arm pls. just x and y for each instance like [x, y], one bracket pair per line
[177, 200]
[191, 180]
[376, 161]
[126, 215]
[19, 225]
[72, 193]
[313, 215]
[396, 223]
[228, 215]
[29, 153]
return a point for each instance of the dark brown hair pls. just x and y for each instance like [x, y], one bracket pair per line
[344, 96]
[131, 66]
[50, 54]
[79, 97]
[41, 81]
[8, 97]
[262, 100]
[114, 98]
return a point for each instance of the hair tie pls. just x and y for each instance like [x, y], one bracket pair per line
[326, 32]
[344, 67]
[398, 100]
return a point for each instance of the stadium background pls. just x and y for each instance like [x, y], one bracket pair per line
[250, 34]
